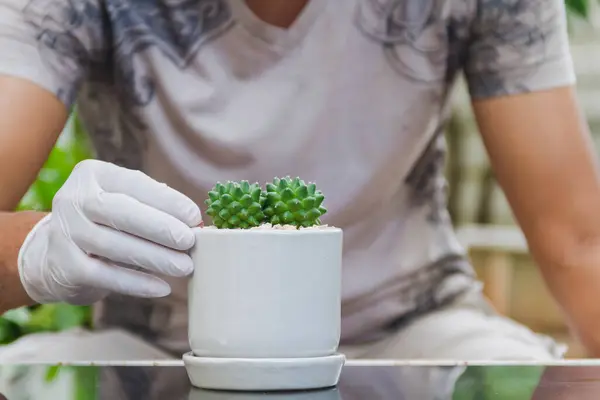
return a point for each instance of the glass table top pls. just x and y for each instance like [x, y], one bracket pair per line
[157, 381]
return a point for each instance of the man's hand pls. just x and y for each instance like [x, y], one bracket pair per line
[541, 152]
[107, 225]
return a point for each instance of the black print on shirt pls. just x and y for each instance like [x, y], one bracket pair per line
[421, 39]
[78, 35]
[427, 182]
[96, 49]
[70, 39]
[500, 44]
[510, 40]
[178, 28]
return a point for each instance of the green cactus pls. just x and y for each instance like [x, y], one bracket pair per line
[293, 202]
[236, 205]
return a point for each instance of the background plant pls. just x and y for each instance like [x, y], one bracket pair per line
[579, 8]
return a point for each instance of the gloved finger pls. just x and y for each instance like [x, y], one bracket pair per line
[127, 214]
[128, 249]
[103, 275]
[89, 296]
[141, 187]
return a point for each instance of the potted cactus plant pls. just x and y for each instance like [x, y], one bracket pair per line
[266, 291]
[285, 202]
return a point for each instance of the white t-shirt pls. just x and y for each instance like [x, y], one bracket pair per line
[353, 96]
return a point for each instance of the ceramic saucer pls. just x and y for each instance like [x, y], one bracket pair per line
[316, 394]
[266, 374]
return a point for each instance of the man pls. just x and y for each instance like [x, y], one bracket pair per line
[352, 95]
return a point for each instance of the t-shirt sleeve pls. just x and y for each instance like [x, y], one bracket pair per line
[51, 42]
[518, 46]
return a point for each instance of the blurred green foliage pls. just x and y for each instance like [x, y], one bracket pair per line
[498, 383]
[44, 318]
[580, 8]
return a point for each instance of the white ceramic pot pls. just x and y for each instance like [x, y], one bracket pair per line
[265, 293]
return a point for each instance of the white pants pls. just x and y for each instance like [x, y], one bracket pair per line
[467, 329]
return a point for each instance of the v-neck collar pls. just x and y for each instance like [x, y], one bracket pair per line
[274, 35]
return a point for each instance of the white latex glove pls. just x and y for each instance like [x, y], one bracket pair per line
[107, 224]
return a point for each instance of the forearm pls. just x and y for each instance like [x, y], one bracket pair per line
[574, 281]
[547, 166]
[32, 119]
[14, 228]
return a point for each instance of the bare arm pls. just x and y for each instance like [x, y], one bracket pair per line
[541, 152]
[32, 119]
[46, 47]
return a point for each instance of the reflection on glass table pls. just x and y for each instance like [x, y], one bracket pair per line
[359, 381]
